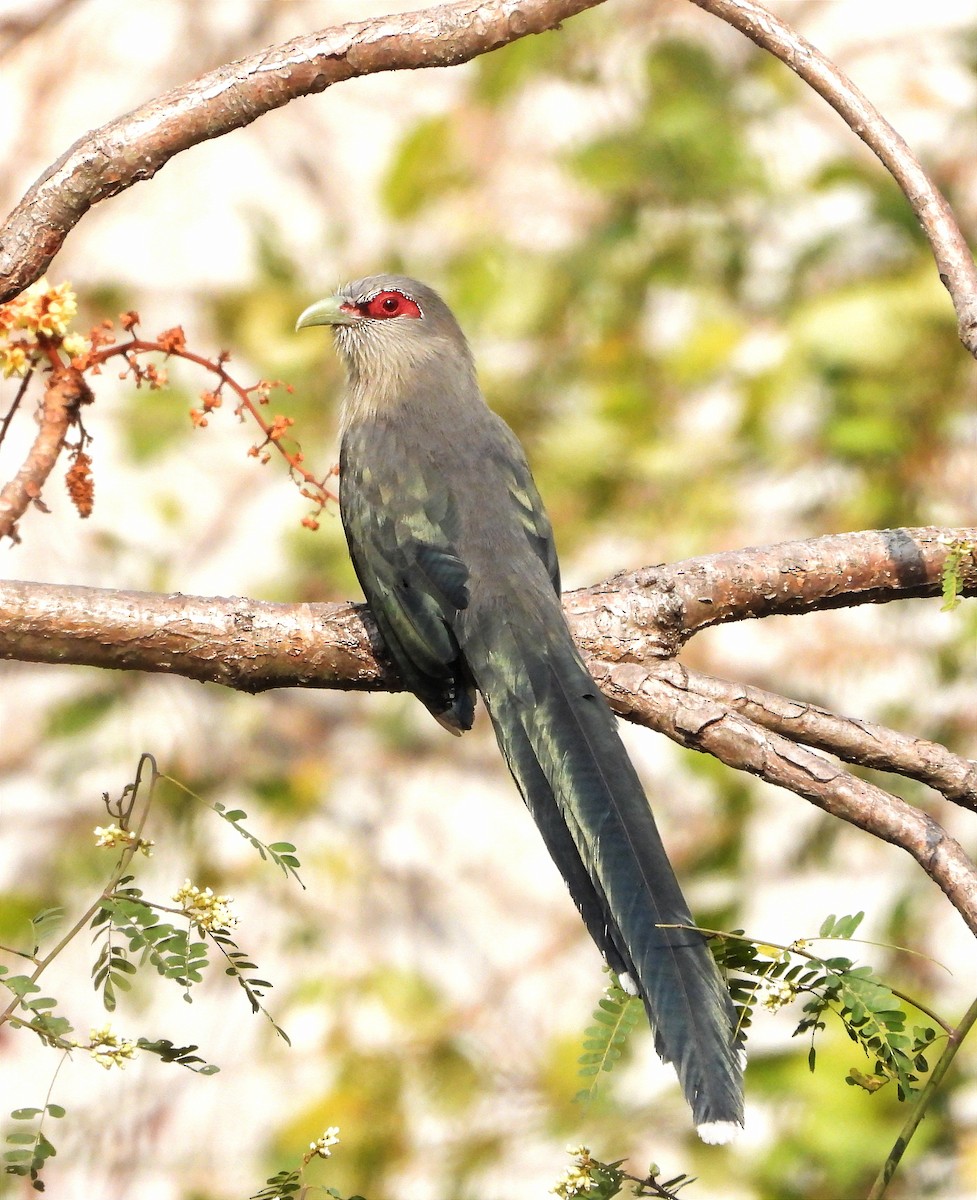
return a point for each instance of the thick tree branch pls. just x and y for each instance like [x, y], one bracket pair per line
[654, 611]
[106, 161]
[662, 701]
[249, 645]
[958, 271]
[253, 645]
[135, 146]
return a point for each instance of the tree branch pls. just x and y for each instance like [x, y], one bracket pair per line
[958, 271]
[253, 645]
[249, 645]
[66, 390]
[850, 739]
[131, 148]
[661, 700]
[654, 611]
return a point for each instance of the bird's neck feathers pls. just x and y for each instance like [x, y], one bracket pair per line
[396, 373]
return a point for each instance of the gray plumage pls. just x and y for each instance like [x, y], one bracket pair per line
[455, 555]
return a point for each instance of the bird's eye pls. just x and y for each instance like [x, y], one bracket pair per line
[389, 304]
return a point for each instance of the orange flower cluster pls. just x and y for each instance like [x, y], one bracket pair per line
[36, 319]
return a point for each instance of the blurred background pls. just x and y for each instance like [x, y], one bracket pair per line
[711, 318]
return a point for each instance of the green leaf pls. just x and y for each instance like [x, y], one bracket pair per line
[43, 1149]
[20, 985]
[952, 578]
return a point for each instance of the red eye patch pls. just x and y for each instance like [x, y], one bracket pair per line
[389, 304]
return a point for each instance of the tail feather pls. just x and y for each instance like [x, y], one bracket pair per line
[561, 743]
[538, 794]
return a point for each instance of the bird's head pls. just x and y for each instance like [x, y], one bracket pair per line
[392, 333]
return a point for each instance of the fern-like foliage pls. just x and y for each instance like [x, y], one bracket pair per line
[871, 1014]
[280, 1186]
[239, 967]
[181, 1055]
[29, 1149]
[168, 948]
[615, 1016]
[38, 1011]
[758, 973]
[282, 854]
[960, 553]
[285, 1184]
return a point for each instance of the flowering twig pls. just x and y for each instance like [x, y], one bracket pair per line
[34, 336]
[148, 763]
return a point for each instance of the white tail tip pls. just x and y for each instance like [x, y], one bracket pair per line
[718, 1133]
[627, 984]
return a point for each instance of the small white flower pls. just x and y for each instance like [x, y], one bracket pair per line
[209, 912]
[110, 1050]
[320, 1147]
[576, 1180]
[112, 835]
[778, 995]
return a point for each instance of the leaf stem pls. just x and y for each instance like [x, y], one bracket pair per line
[919, 1108]
[797, 948]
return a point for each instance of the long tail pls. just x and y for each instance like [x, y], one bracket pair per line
[561, 743]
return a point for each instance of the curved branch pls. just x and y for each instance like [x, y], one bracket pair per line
[854, 741]
[958, 272]
[106, 161]
[662, 702]
[66, 390]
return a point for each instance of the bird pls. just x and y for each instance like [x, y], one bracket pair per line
[455, 554]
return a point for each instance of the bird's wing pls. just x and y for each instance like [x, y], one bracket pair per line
[526, 502]
[415, 584]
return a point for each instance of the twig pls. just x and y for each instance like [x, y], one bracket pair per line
[15, 404]
[954, 261]
[120, 869]
[921, 1104]
[65, 392]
